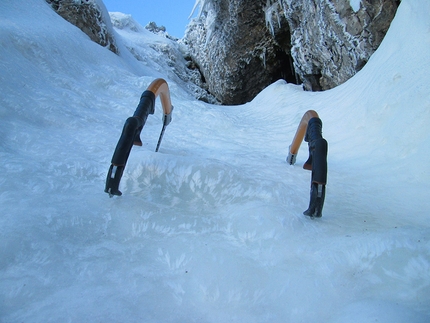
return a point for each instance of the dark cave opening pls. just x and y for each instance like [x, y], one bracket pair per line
[283, 57]
[286, 68]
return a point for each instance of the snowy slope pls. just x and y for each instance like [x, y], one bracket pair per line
[210, 228]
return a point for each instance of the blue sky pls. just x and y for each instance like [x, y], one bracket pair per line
[168, 13]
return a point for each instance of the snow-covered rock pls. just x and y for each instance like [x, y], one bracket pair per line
[90, 16]
[237, 54]
[154, 47]
[331, 40]
[243, 46]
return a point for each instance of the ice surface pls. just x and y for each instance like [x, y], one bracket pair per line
[210, 228]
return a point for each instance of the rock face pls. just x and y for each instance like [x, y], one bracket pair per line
[234, 49]
[163, 52]
[331, 40]
[241, 46]
[88, 16]
[170, 55]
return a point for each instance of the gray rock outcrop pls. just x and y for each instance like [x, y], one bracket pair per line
[88, 16]
[164, 53]
[330, 39]
[234, 49]
[243, 46]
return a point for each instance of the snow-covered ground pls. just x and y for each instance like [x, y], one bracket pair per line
[210, 228]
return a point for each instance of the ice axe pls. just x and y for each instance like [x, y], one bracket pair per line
[132, 128]
[310, 128]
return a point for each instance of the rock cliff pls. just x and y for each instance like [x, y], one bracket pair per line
[235, 48]
[90, 16]
[242, 46]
